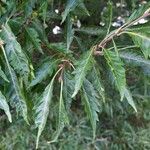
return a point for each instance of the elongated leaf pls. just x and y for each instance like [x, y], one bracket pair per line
[92, 30]
[142, 40]
[63, 118]
[42, 109]
[29, 5]
[14, 52]
[117, 69]
[70, 32]
[17, 99]
[83, 66]
[59, 47]
[45, 70]
[134, 58]
[70, 6]
[68, 88]
[34, 38]
[96, 80]
[139, 12]
[4, 106]
[129, 98]
[2, 74]
[91, 104]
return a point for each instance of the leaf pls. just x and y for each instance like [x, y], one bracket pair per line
[117, 69]
[83, 66]
[129, 98]
[141, 40]
[68, 88]
[42, 109]
[4, 106]
[134, 58]
[17, 97]
[92, 30]
[70, 32]
[59, 47]
[96, 80]
[29, 5]
[2, 75]
[14, 52]
[34, 38]
[63, 118]
[70, 6]
[91, 104]
[139, 12]
[45, 70]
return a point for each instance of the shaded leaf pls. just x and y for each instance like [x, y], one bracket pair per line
[83, 66]
[2, 75]
[34, 38]
[62, 118]
[91, 104]
[4, 106]
[45, 70]
[14, 52]
[142, 40]
[42, 108]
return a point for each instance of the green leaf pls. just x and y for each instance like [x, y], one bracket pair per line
[141, 40]
[14, 52]
[29, 5]
[139, 12]
[129, 98]
[70, 32]
[63, 118]
[92, 30]
[134, 58]
[17, 97]
[45, 70]
[117, 69]
[97, 82]
[68, 88]
[70, 6]
[83, 66]
[2, 74]
[42, 109]
[91, 104]
[59, 47]
[4, 106]
[34, 38]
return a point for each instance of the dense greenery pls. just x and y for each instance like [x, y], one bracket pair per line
[74, 74]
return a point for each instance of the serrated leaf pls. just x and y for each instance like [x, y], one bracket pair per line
[116, 67]
[70, 32]
[42, 109]
[29, 5]
[134, 58]
[68, 89]
[2, 75]
[83, 66]
[129, 98]
[59, 47]
[91, 104]
[70, 6]
[62, 118]
[14, 52]
[92, 30]
[17, 98]
[97, 82]
[139, 12]
[5, 106]
[45, 70]
[34, 38]
[141, 40]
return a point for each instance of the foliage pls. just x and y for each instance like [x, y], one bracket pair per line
[77, 71]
